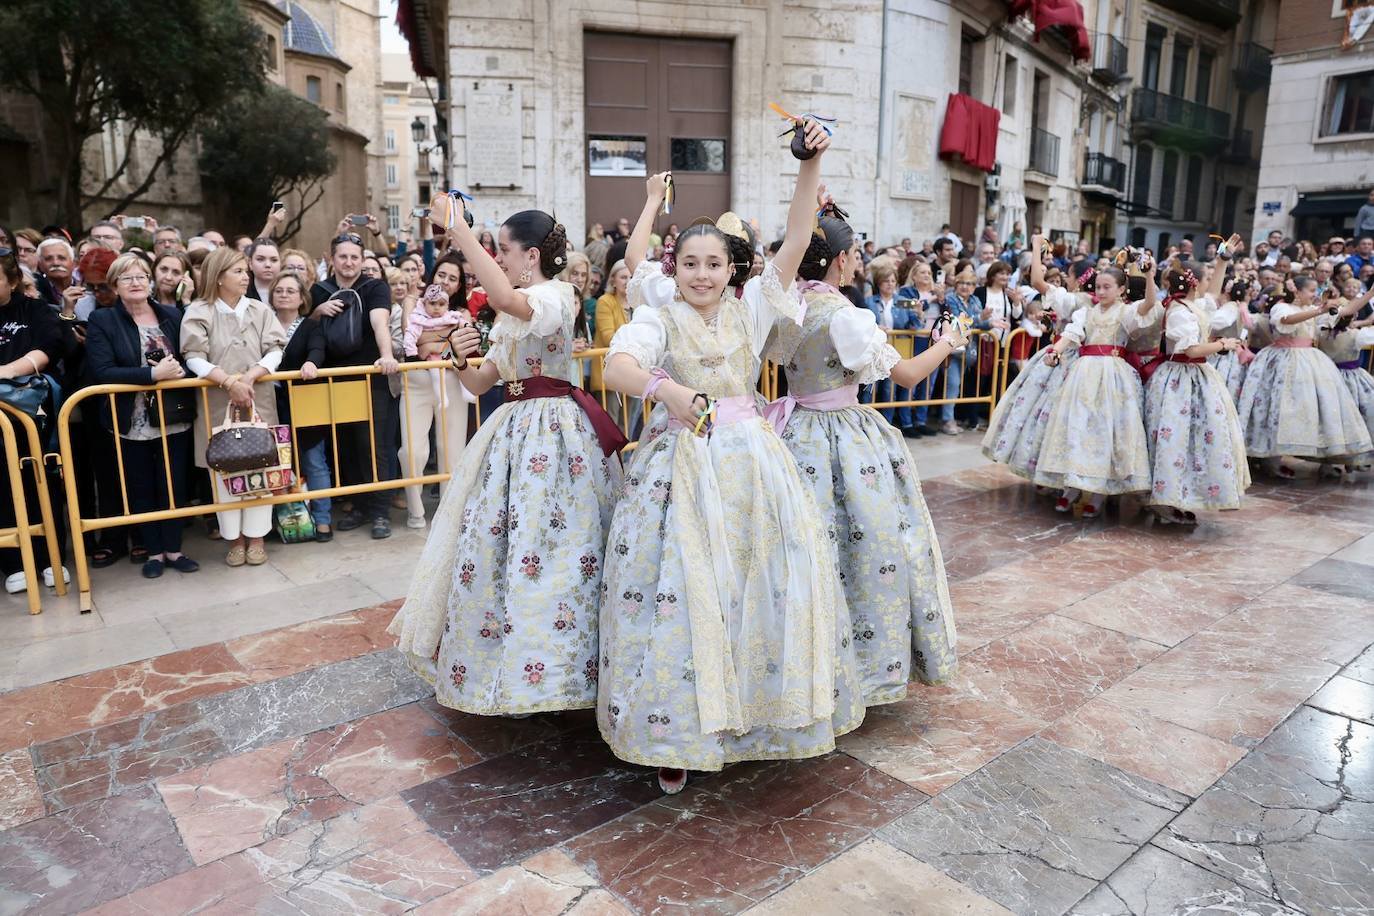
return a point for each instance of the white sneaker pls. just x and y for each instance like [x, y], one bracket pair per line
[16, 583]
[48, 577]
[415, 521]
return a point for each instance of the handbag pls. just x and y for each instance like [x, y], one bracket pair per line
[293, 523]
[343, 333]
[178, 406]
[27, 393]
[241, 446]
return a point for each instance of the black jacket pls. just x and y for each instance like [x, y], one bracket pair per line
[114, 355]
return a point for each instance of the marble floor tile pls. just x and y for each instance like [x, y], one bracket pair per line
[378, 858]
[1052, 666]
[549, 882]
[1346, 697]
[1362, 551]
[876, 878]
[86, 855]
[1213, 685]
[1155, 883]
[277, 653]
[1354, 580]
[121, 755]
[1242, 568]
[1292, 620]
[1351, 507]
[21, 800]
[1294, 820]
[54, 710]
[1163, 607]
[1037, 828]
[499, 811]
[491, 736]
[1362, 668]
[242, 800]
[936, 737]
[732, 839]
[1129, 740]
[1309, 532]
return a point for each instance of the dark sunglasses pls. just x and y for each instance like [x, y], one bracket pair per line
[353, 237]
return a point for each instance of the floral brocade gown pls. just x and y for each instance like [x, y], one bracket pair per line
[1346, 349]
[1095, 437]
[864, 482]
[1017, 428]
[501, 615]
[1294, 401]
[1197, 447]
[724, 635]
[1228, 322]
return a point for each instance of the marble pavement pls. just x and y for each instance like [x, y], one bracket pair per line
[1148, 720]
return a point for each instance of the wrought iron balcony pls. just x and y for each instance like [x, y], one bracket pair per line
[1241, 150]
[1178, 122]
[1222, 13]
[1109, 59]
[1104, 172]
[1044, 152]
[1254, 66]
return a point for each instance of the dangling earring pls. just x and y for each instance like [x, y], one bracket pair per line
[526, 276]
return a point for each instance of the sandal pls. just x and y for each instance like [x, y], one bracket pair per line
[102, 557]
[236, 556]
[138, 555]
[1285, 472]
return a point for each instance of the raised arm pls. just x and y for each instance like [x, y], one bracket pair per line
[1151, 291]
[501, 296]
[1037, 267]
[799, 216]
[1216, 287]
[637, 246]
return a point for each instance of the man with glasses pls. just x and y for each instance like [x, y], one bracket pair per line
[26, 249]
[107, 234]
[167, 238]
[344, 288]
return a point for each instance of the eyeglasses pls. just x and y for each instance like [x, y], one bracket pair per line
[133, 278]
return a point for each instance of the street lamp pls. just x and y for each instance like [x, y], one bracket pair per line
[434, 178]
[417, 130]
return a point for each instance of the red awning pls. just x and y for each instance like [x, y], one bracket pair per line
[1066, 15]
[970, 131]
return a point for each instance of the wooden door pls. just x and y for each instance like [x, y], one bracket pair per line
[963, 212]
[654, 104]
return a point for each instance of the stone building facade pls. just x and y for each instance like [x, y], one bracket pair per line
[1317, 166]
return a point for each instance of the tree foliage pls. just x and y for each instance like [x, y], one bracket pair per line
[264, 147]
[160, 68]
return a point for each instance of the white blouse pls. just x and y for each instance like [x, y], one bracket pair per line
[553, 305]
[862, 346]
[1279, 311]
[1077, 328]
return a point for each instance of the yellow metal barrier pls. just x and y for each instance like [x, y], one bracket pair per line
[905, 344]
[24, 533]
[1011, 343]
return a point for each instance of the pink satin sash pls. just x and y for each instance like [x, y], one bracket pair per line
[780, 411]
[728, 410]
[1292, 343]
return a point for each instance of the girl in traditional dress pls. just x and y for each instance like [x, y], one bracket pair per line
[861, 473]
[502, 613]
[1294, 401]
[1342, 338]
[723, 626]
[1233, 319]
[1017, 428]
[1095, 438]
[1196, 444]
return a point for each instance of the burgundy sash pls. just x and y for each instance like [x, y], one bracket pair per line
[543, 386]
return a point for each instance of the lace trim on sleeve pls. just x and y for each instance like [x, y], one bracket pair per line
[649, 286]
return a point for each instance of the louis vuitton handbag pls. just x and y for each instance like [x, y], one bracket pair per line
[240, 445]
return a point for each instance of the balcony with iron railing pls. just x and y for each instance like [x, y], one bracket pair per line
[1254, 66]
[1109, 59]
[1044, 152]
[1221, 13]
[1241, 149]
[1175, 121]
[1103, 174]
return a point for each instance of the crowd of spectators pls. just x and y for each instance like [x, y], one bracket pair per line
[135, 302]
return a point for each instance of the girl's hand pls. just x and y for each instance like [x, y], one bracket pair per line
[682, 402]
[657, 185]
[465, 341]
[1229, 344]
[816, 136]
[955, 333]
[310, 371]
[168, 369]
[1051, 357]
[579, 344]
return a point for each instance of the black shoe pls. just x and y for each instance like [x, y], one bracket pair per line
[349, 520]
[925, 431]
[102, 557]
[911, 432]
[324, 537]
[183, 564]
[381, 528]
[152, 569]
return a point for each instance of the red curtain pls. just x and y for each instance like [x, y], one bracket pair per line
[970, 131]
[1066, 14]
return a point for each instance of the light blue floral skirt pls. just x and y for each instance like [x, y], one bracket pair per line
[1231, 370]
[1095, 438]
[1196, 445]
[865, 484]
[1294, 402]
[1017, 429]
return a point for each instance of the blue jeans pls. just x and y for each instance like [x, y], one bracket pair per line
[883, 390]
[954, 382]
[315, 467]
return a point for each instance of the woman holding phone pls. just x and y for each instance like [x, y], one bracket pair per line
[173, 283]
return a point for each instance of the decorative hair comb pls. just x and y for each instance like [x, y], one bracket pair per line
[799, 149]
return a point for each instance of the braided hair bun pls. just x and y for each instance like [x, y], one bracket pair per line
[553, 251]
[832, 236]
[537, 229]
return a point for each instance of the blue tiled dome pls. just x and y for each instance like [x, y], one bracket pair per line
[304, 33]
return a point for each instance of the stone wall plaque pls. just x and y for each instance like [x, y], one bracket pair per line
[494, 137]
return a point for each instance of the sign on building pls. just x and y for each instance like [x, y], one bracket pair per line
[494, 137]
[913, 147]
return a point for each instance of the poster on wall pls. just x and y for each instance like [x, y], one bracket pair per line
[913, 147]
[494, 137]
[617, 157]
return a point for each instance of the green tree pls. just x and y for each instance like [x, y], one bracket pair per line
[160, 68]
[262, 147]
